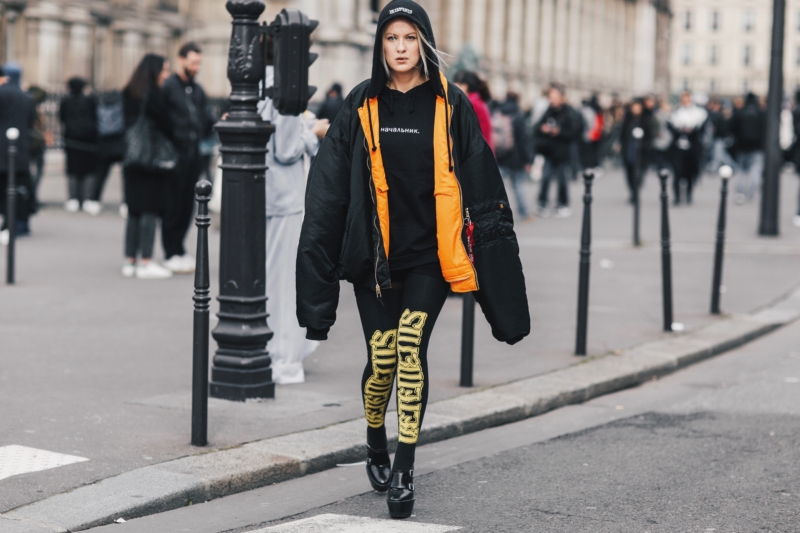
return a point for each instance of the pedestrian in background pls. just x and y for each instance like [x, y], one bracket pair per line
[470, 84]
[146, 192]
[78, 114]
[662, 137]
[555, 132]
[636, 136]
[111, 142]
[592, 136]
[293, 139]
[686, 122]
[333, 101]
[513, 148]
[192, 121]
[749, 127]
[406, 202]
[720, 116]
[16, 111]
[40, 139]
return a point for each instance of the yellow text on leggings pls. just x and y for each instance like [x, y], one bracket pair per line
[410, 378]
[383, 354]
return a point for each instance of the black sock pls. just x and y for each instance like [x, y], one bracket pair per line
[376, 438]
[404, 457]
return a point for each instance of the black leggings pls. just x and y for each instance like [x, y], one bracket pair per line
[397, 329]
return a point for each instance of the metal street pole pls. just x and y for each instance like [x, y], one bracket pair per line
[241, 366]
[201, 299]
[12, 134]
[666, 253]
[583, 275]
[467, 340]
[725, 173]
[774, 158]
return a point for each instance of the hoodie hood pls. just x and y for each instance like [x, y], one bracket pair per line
[414, 12]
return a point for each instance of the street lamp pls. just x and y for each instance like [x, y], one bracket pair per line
[774, 158]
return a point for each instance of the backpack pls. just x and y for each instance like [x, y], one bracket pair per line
[502, 133]
[110, 115]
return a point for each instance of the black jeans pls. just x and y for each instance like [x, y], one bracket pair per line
[140, 235]
[561, 171]
[180, 204]
[81, 188]
[397, 329]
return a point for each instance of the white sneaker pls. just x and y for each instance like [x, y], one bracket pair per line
[795, 221]
[189, 262]
[177, 265]
[72, 205]
[152, 270]
[123, 210]
[5, 236]
[92, 208]
[129, 270]
[542, 212]
[563, 212]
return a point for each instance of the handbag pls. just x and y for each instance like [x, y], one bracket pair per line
[147, 148]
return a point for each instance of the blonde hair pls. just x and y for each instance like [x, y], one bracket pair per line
[426, 48]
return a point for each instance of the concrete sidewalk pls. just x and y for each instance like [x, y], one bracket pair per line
[99, 367]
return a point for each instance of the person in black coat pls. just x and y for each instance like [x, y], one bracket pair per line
[635, 140]
[555, 133]
[78, 114]
[17, 110]
[145, 192]
[333, 101]
[515, 163]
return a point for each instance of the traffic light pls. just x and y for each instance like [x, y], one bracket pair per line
[291, 36]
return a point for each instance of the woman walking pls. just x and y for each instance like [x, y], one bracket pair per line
[635, 139]
[145, 192]
[471, 84]
[405, 201]
[78, 113]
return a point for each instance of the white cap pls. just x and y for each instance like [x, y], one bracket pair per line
[725, 171]
[12, 134]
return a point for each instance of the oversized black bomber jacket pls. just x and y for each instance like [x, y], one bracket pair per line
[339, 239]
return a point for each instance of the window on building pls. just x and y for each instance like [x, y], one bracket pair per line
[687, 20]
[715, 21]
[687, 85]
[169, 5]
[713, 54]
[745, 86]
[748, 20]
[747, 55]
[713, 86]
[375, 7]
[686, 54]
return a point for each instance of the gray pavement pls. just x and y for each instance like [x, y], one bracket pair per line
[100, 367]
[711, 448]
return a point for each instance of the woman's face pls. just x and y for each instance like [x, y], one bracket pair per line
[401, 47]
[164, 74]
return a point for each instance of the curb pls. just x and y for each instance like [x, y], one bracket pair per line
[198, 478]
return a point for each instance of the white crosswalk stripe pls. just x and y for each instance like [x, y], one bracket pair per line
[15, 460]
[336, 523]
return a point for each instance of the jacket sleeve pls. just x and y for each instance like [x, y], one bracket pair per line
[292, 139]
[327, 202]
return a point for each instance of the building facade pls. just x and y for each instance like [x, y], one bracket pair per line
[610, 46]
[722, 47]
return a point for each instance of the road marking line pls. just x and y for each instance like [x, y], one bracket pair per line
[335, 523]
[15, 460]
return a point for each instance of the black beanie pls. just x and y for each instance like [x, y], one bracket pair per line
[414, 12]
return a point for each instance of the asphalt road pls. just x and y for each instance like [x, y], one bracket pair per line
[712, 448]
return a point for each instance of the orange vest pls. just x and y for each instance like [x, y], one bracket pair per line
[457, 269]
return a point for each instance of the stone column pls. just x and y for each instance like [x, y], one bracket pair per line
[588, 31]
[497, 32]
[576, 38]
[11, 35]
[132, 51]
[345, 14]
[80, 50]
[455, 26]
[546, 41]
[515, 43]
[561, 41]
[477, 26]
[51, 54]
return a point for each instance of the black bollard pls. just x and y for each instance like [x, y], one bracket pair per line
[666, 255]
[725, 173]
[12, 134]
[636, 215]
[202, 298]
[638, 134]
[467, 340]
[583, 277]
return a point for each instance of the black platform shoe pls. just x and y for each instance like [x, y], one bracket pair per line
[379, 469]
[401, 494]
